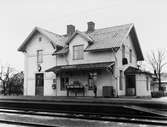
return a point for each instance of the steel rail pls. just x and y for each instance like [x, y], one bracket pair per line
[26, 123]
[86, 117]
[55, 113]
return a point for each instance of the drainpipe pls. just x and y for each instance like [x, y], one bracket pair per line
[116, 66]
[56, 77]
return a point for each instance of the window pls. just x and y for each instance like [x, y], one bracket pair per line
[130, 55]
[123, 51]
[120, 81]
[39, 56]
[40, 39]
[78, 52]
[147, 83]
[63, 83]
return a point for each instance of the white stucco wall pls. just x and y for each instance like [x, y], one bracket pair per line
[30, 65]
[141, 86]
[128, 45]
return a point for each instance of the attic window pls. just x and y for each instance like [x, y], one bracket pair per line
[40, 39]
[78, 52]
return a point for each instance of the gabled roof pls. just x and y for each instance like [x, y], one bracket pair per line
[82, 34]
[99, 40]
[110, 38]
[55, 39]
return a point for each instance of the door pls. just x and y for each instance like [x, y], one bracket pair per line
[39, 89]
[130, 85]
[63, 82]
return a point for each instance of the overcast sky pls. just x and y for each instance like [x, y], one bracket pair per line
[19, 17]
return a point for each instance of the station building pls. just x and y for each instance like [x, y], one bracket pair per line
[78, 62]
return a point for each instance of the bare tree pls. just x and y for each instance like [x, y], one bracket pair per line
[157, 62]
[4, 77]
[15, 85]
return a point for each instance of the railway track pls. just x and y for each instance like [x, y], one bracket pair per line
[78, 115]
[115, 112]
[26, 124]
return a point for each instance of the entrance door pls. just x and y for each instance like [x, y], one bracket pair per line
[39, 90]
[130, 85]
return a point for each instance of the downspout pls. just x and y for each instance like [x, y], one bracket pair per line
[56, 77]
[115, 76]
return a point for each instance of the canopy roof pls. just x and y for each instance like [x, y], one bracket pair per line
[89, 66]
[133, 70]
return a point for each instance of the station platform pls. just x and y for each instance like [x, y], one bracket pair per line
[162, 100]
[148, 106]
[160, 103]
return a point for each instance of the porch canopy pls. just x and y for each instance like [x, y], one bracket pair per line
[133, 70]
[90, 66]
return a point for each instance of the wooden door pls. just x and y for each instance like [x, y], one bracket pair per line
[130, 85]
[39, 89]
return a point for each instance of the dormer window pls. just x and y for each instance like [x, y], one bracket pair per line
[78, 52]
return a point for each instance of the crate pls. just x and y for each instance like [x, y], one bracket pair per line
[108, 91]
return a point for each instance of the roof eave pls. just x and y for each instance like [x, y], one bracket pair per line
[90, 40]
[22, 48]
[137, 46]
[23, 45]
[114, 49]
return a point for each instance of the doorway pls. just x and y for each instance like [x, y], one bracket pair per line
[130, 85]
[39, 85]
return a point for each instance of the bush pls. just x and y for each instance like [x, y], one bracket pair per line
[157, 94]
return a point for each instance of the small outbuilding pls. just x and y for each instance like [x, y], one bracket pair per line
[138, 82]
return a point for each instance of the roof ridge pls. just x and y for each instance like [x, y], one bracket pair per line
[130, 24]
[40, 28]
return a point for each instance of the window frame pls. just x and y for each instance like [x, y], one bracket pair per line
[39, 56]
[76, 51]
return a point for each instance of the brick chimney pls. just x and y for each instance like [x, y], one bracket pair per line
[91, 26]
[70, 29]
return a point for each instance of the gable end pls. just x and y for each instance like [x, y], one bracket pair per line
[136, 44]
